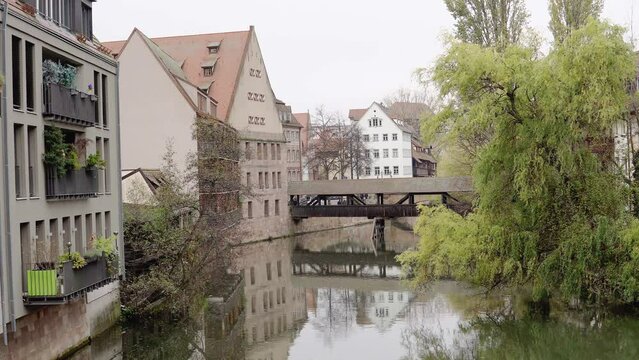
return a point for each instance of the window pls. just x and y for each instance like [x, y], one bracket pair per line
[367, 170]
[375, 137]
[279, 180]
[249, 209]
[277, 208]
[208, 71]
[394, 137]
[266, 214]
[368, 154]
[386, 170]
[367, 138]
[395, 170]
[385, 137]
[279, 268]
[278, 298]
[253, 304]
[265, 149]
[279, 152]
[87, 22]
[273, 152]
[105, 102]
[284, 300]
[260, 180]
[377, 172]
[376, 154]
[385, 153]
[259, 151]
[265, 301]
[32, 155]
[106, 155]
[19, 161]
[268, 271]
[107, 224]
[270, 305]
[395, 153]
[252, 272]
[30, 79]
[16, 48]
[248, 180]
[274, 175]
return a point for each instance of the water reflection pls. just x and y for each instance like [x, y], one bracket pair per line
[330, 296]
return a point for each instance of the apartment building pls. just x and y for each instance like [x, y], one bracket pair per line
[304, 119]
[229, 68]
[60, 188]
[292, 133]
[395, 150]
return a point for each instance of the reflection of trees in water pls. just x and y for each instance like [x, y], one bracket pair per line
[163, 340]
[335, 313]
[498, 333]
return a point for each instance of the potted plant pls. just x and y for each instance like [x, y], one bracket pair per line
[57, 73]
[59, 155]
[95, 161]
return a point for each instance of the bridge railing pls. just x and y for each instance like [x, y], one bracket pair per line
[367, 211]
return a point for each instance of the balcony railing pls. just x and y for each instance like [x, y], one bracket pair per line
[54, 287]
[75, 184]
[69, 106]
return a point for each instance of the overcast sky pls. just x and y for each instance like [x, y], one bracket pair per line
[342, 54]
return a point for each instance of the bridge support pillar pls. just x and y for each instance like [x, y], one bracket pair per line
[379, 242]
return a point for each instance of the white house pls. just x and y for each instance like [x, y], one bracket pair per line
[389, 143]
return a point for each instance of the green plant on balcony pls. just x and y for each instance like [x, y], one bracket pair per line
[58, 73]
[105, 247]
[95, 161]
[78, 260]
[60, 155]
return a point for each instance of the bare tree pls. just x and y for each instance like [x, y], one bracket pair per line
[335, 148]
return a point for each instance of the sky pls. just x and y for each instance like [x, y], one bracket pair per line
[338, 53]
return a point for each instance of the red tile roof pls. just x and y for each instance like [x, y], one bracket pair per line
[192, 51]
[356, 114]
[305, 120]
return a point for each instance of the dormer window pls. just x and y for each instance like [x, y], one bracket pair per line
[208, 67]
[214, 47]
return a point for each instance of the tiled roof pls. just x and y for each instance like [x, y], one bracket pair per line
[193, 51]
[305, 121]
[356, 114]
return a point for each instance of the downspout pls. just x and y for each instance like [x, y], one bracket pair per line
[9, 250]
[119, 170]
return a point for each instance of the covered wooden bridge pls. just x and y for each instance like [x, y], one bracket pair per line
[366, 198]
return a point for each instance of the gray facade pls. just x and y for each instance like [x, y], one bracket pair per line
[43, 212]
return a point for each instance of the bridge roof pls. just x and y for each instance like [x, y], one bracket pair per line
[430, 185]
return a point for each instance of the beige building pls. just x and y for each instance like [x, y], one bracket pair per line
[59, 116]
[229, 68]
[292, 133]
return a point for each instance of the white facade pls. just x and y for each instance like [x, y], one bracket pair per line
[389, 145]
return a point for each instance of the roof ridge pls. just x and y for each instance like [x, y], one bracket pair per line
[202, 34]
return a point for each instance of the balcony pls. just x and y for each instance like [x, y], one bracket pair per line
[56, 287]
[69, 106]
[75, 184]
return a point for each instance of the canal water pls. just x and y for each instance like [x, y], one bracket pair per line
[330, 295]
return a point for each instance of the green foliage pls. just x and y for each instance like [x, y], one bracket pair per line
[95, 161]
[569, 15]
[56, 73]
[58, 154]
[488, 22]
[550, 214]
[78, 260]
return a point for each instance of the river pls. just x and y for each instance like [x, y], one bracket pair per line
[328, 295]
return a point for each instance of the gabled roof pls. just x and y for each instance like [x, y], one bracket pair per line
[194, 51]
[356, 114]
[153, 178]
[303, 119]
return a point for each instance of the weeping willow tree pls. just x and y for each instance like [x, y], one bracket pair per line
[550, 212]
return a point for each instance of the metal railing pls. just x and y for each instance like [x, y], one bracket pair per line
[82, 183]
[69, 105]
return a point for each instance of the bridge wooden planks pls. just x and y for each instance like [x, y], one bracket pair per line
[432, 185]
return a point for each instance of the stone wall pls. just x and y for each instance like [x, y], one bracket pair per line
[49, 332]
